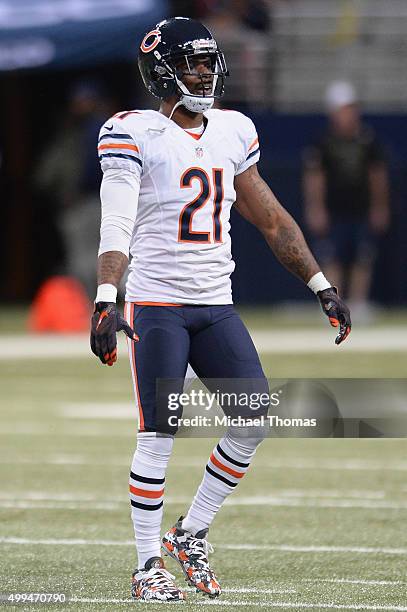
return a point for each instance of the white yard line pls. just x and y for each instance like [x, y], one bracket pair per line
[126, 411]
[45, 496]
[335, 464]
[81, 503]
[57, 460]
[355, 581]
[262, 604]
[65, 542]
[275, 494]
[341, 493]
[268, 500]
[254, 547]
[251, 590]
[23, 505]
[78, 430]
[303, 340]
[362, 465]
[318, 549]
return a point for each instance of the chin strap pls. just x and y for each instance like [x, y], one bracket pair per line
[195, 104]
[179, 103]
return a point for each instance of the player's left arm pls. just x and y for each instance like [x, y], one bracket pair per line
[256, 203]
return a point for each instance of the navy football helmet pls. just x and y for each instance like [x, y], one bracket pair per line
[172, 51]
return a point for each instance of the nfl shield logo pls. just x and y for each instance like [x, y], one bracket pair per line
[199, 151]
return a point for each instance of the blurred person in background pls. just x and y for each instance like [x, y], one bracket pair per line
[242, 26]
[346, 197]
[69, 174]
[254, 14]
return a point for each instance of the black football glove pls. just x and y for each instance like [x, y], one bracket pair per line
[337, 312]
[105, 323]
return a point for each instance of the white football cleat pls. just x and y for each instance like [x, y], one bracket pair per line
[155, 583]
[191, 552]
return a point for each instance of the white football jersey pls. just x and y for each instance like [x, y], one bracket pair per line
[180, 247]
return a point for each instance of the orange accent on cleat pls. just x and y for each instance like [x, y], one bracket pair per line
[334, 322]
[191, 553]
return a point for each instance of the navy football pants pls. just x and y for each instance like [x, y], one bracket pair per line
[213, 339]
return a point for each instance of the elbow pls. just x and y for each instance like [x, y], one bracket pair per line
[268, 230]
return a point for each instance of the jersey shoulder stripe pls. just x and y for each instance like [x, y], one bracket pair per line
[120, 145]
[253, 153]
[115, 137]
[254, 143]
[121, 156]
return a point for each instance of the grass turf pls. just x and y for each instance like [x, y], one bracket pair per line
[66, 478]
[13, 319]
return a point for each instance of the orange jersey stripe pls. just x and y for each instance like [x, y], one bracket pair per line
[115, 145]
[146, 493]
[156, 304]
[255, 141]
[225, 468]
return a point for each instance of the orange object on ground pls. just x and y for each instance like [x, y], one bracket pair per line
[61, 306]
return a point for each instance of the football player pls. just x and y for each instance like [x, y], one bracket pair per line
[170, 179]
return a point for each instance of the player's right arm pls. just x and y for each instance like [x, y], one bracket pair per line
[121, 164]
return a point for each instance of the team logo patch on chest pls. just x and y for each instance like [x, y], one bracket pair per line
[199, 152]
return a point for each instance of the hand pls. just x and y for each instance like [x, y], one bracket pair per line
[105, 323]
[337, 311]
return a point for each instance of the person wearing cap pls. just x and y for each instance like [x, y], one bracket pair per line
[346, 196]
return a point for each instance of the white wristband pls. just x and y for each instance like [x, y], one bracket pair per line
[318, 283]
[106, 293]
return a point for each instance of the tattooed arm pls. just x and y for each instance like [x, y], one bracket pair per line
[111, 267]
[256, 202]
[107, 320]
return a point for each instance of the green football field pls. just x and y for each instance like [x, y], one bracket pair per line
[315, 524]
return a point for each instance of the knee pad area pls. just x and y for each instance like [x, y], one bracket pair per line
[244, 441]
[153, 447]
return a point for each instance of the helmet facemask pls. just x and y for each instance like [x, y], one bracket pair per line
[200, 95]
[180, 67]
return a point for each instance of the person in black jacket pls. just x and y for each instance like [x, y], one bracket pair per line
[346, 196]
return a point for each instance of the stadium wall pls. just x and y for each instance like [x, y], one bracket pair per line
[258, 277]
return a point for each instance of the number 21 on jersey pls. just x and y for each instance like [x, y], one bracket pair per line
[207, 184]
